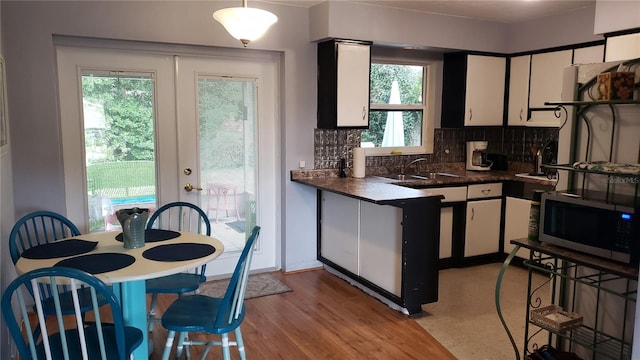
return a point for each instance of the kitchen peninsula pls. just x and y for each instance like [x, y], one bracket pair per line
[384, 234]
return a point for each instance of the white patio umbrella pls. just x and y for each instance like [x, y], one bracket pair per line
[394, 128]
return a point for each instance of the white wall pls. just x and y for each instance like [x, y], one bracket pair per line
[6, 222]
[344, 19]
[552, 31]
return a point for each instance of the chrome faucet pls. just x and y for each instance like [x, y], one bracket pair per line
[405, 167]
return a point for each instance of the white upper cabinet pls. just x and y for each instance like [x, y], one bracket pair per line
[623, 47]
[343, 84]
[353, 85]
[588, 55]
[546, 85]
[518, 90]
[485, 90]
[473, 90]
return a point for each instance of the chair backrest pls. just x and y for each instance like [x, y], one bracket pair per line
[232, 306]
[180, 216]
[39, 228]
[60, 337]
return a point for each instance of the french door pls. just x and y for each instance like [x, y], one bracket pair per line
[206, 124]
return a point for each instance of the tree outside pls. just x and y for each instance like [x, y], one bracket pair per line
[127, 105]
[410, 81]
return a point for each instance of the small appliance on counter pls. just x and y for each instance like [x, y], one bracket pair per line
[500, 161]
[477, 156]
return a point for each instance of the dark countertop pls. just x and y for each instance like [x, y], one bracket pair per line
[379, 189]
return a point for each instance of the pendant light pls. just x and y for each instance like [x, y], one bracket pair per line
[244, 23]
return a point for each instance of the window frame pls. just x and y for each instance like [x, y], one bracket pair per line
[428, 109]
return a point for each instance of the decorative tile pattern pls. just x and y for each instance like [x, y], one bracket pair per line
[449, 147]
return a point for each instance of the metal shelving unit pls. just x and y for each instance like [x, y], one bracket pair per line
[571, 274]
[566, 272]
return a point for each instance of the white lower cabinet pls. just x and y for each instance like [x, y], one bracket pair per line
[451, 195]
[446, 232]
[380, 249]
[363, 238]
[482, 225]
[482, 230]
[339, 229]
[516, 223]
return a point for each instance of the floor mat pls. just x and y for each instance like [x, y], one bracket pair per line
[257, 285]
[239, 226]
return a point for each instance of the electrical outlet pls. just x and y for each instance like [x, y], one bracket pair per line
[302, 164]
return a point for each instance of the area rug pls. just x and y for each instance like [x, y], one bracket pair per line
[465, 320]
[239, 226]
[257, 285]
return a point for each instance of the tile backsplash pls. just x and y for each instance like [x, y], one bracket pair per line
[449, 146]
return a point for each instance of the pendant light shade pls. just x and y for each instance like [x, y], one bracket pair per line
[244, 23]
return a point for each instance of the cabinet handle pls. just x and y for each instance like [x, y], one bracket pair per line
[473, 213]
[521, 114]
[486, 191]
[470, 114]
[364, 112]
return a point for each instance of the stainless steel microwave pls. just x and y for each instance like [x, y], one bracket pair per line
[592, 222]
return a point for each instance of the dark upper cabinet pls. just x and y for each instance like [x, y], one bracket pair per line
[343, 84]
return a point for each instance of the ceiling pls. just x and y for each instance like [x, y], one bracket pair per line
[503, 11]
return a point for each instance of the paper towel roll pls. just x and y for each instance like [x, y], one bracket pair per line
[358, 162]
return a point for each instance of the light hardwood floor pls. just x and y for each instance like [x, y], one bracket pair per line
[324, 317]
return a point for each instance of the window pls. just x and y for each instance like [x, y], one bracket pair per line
[401, 110]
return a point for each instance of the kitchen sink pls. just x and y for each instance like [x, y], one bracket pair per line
[435, 176]
[426, 176]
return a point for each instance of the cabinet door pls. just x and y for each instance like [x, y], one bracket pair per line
[546, 85]
[482, 227]
[446, 232]
[516, 223]
[381, 246]
[353, 85]
[339, 230]
[588, 55]
[519, 90]
[484, 95]
[623, 47]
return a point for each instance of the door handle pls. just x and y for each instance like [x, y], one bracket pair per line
[190, 187]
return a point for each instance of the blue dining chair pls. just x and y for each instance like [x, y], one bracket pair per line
[177, 216]
[212, 315]
[39, 228]
[60, 338]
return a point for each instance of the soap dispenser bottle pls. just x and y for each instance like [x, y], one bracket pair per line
[343, 165]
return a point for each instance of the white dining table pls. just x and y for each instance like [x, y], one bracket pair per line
[129, 282]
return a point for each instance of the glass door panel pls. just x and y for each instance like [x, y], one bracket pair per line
[226, 113]
[119, 141]
[227, 143]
